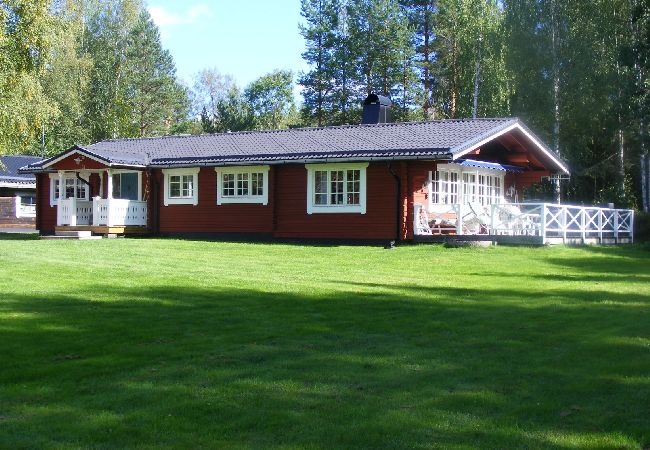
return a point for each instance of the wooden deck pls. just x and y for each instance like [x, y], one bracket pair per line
[105, 229]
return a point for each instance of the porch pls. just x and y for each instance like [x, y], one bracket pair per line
[524, 223]
[101, 201]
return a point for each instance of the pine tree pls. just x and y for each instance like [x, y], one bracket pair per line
[320, 34]
[152, 92]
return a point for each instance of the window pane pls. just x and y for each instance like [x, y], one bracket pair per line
[497, 190]
[469, 187]
[187, 188]
[127, 186]
[57, 194]
[116, 185]
[320, 187]
[228, 184]
[242, 184]
[69, 188]
[453, 187]
[353, 187]
[257, 184]
[435, 187]
[482, 190]
[444, 187]
[336, 187]
[174, 186]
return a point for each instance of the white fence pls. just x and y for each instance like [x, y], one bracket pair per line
[109, 212]
[545, 220]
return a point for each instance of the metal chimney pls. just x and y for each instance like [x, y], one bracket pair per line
[376, 109]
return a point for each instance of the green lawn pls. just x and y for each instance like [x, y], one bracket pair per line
[187, 344]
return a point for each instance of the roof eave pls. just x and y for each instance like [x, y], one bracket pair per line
[275, 161]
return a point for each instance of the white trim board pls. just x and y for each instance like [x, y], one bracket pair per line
[517, 126]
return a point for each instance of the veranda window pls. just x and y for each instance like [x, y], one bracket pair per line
[452, 184]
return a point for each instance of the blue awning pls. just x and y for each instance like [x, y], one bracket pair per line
[490, 165]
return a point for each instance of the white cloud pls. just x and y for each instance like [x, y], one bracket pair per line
[165, 18]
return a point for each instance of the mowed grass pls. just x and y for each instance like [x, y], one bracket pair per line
[154, 343]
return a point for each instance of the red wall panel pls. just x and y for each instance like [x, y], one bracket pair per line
[292, 220]
[208, 217]
[45, 214]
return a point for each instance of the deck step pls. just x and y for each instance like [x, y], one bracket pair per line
[70, 238]
[76, 233]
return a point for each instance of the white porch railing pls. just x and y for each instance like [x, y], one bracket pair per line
[544, 220]
[116, 212]
[109, 212]
[73, 212]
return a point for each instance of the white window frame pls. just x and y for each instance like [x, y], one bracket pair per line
[55, 177]
[313, 208]
[485, 194]
[188, 171]
[236, 170]
[121, 171]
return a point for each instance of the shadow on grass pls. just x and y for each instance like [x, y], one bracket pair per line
[402, 367]
[18, 236]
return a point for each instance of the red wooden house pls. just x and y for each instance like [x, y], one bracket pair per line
[374, 181]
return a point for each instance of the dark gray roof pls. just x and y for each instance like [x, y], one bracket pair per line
[442, 139]
[10, 166]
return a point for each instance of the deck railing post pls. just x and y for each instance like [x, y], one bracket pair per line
[563, 212]
[543, 224]
[616, 226]
[583, 224]
[73, 211]
[492, 212]
[459, 219]
[416, 217]
[109, 197]
[600, 225]
[632, 226]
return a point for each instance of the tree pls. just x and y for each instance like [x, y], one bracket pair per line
[152, 92]
[320, 34]
[234, 113]
[271, 99]
[26, 34]
[108, 25]
[422, 16]
[471, 58]
[66, 80]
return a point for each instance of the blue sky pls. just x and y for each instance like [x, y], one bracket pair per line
[244, 38]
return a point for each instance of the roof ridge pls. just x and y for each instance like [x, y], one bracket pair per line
[301, 129]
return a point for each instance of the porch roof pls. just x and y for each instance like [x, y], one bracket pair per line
[433, 140]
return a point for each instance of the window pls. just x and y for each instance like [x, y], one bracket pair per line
[453, 183]
[181, 186]
[242, 184]
[127, 185]
[74, 188]
[469, 187]
[336, 188]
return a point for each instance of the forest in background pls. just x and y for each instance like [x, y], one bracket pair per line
[576, 72]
